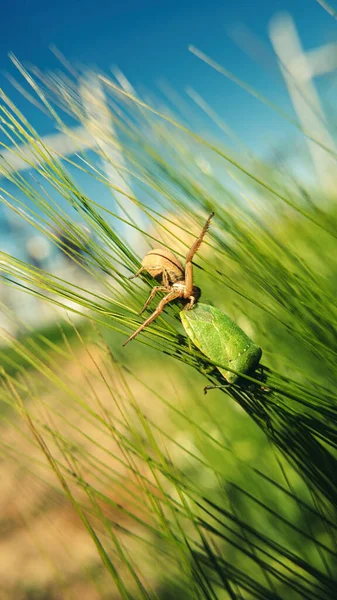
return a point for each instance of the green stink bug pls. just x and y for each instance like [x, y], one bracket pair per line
[221, 340]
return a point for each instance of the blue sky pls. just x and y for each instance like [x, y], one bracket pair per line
[148, 40]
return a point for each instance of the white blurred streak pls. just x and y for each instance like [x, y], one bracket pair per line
[63, 60]
[298, 72]
[328, 8]
[252, 45]
[177, 101]
[123, 81]
[228, 131]
[38, 247]
[322, 60]
[99, 132]
[59, 145]
[101, 126]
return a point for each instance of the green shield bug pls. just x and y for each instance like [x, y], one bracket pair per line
[221, 340]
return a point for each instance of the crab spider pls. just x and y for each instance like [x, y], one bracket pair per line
[176, 281]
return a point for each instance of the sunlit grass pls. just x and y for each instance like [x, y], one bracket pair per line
[169, 484]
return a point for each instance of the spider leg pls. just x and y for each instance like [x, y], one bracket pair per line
[165, 279]
[189, 257]
[138, 273]
[157, 288]
[191, 303]
[168, 298]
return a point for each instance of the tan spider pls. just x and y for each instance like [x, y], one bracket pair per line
[177, 282]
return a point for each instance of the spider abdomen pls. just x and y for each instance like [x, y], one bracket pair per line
[161, 259]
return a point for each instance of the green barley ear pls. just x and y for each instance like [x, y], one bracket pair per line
[229, 495]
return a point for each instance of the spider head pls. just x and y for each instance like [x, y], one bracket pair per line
[196, 293]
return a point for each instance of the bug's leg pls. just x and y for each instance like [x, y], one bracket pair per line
[157, 288]
[217, 387]
[170, 296]
[189, 257]
[138, 273]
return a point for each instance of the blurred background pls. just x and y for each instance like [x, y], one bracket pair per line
[278, 60]
[123, 125]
